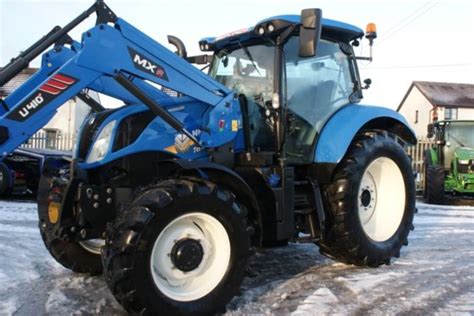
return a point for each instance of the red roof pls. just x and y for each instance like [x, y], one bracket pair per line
[444, 94]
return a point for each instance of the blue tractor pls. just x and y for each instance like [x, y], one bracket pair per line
[169, 194]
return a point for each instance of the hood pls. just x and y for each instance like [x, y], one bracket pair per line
[464, 153]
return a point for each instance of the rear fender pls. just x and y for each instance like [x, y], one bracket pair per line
[345, 124]
[434, 156]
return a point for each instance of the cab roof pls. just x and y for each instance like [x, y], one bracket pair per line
[330, 28]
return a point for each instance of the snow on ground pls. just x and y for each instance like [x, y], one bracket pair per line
[434, 275]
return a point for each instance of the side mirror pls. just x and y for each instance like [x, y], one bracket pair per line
[430, 130]
[310, 32]
[367, 82]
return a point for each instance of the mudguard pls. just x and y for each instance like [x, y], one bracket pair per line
[343, 126]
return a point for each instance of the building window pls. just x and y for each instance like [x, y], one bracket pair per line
[416, 117]
[52, 138]
[451, 114]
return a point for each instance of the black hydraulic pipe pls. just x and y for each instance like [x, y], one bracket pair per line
[23, 60]
[245, 122]
[154, 106]
[19, 63]
[93, 104]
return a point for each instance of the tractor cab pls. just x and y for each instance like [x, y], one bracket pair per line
[449, 164]
[267, 65]
[455, 142]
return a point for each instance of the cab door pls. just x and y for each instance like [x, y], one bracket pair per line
[316, 87]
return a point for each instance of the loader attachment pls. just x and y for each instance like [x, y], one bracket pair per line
[118, 60]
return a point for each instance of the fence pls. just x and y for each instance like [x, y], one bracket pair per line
[416, 153]
[62, 141]
[51, 140]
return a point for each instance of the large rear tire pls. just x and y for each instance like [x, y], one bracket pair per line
[434, 187]
[181, 247]
[434, 177]
[372, 203]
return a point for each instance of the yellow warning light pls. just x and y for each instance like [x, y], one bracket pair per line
[371, 33]
[371, 28]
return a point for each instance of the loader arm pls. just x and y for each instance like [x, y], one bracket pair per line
[118, 60]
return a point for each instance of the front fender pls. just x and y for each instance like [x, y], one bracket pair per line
[344, 125]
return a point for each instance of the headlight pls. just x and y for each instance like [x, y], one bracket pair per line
[463, 162]
[102, 143]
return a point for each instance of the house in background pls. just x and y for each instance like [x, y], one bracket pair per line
[61, 130]
[426, 102]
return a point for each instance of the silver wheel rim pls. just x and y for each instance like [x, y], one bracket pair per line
[381, 199]
[93, 245]
[200, 281]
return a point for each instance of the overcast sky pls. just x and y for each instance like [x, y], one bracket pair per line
[418, 40]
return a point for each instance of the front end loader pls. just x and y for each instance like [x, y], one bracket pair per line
[170, 194]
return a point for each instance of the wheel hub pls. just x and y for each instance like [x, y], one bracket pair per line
[187, 254]
[365, 198]
[190, 256]
[381, 199]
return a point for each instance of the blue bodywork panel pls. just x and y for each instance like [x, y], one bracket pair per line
[343, 126]
[345, 32]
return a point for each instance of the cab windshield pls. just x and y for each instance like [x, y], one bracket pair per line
[460, 134]
[246, 70]
[249, 71]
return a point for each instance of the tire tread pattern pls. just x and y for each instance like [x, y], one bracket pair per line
[123, 237]
[344, 241]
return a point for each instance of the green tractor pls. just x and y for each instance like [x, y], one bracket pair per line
[449, 164]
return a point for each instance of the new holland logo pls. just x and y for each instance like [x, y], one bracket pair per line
[182, 143]
[145, 64]
[45, 94]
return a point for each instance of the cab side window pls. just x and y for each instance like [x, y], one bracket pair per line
[316, 87]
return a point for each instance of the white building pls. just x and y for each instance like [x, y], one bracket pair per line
[427, 101]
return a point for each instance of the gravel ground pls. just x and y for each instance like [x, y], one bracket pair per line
[433, 276]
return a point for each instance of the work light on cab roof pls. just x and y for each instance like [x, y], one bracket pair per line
[309, 24]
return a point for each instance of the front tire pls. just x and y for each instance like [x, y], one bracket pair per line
[181, 247]
[372, 203]
[80, 257]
